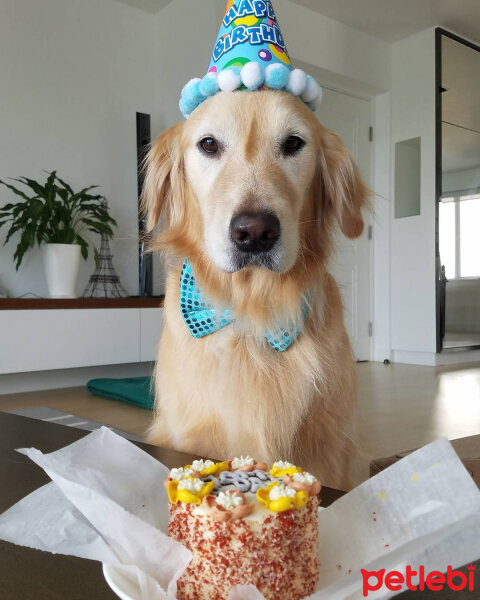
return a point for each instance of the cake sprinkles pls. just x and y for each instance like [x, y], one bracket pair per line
[245, 523]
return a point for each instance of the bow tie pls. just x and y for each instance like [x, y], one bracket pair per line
[202, 318]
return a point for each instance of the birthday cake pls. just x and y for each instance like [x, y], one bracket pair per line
[245, 524]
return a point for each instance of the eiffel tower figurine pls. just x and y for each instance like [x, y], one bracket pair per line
[104, 283]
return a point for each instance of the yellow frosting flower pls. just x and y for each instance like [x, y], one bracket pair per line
[281, 468]
[283, 499]
[189, 490]
[208, 468]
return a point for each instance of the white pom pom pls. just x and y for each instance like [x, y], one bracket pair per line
[252, 76]
[228, 80]
[296, 82]
[312, 90]
[315, 103]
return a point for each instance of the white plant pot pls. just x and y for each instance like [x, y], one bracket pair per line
[62, 263]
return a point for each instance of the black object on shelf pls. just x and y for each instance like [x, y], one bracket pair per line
[145, 259]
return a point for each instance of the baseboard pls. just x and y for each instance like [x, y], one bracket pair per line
[381, 354]
[16, 383]
[427, 359]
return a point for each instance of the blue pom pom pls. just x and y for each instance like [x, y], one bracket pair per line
[192, 91]
[209, 86]
[276, 76]
[187, 106]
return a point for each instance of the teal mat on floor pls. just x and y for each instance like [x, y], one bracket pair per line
[135, 390]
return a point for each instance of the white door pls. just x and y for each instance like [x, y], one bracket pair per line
[350, 118]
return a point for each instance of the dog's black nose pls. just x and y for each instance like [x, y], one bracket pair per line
[255, 231]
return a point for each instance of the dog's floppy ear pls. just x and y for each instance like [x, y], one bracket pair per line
[341, 183]
[163, 188]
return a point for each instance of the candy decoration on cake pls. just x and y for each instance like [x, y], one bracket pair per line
[279, 497]
[281, 468]
[249, 54]
[245, 522]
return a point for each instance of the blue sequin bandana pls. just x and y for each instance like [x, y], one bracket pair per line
[202, 318]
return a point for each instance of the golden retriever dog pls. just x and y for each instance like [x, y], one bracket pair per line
[251, 189]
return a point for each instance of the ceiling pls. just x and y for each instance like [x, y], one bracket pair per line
[151, 6]
[392, 20]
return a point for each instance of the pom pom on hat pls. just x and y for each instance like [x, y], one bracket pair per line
[312, 90]
[276, 76]
[191, 92]
[297, 82]
[187, 107]
[209, 85]
[229, 80]
[252, 75]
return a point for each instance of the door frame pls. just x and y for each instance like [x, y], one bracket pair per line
[368, 213]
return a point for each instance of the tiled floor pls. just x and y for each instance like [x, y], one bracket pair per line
[79, 402]
[400, 407]
[406, 406]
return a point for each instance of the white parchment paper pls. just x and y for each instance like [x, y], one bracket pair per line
[107, 502]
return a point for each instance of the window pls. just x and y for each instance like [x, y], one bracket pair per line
[460, 236]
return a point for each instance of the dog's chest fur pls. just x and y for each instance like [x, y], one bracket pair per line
[230, 393]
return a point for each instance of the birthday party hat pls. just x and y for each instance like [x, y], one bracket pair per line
[249, 54]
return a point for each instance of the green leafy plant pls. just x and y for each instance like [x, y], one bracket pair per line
[52, 213]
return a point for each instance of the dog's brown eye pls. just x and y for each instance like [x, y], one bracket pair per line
[292, 145]
[209, 145]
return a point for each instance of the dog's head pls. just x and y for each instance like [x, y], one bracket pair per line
[252, 180]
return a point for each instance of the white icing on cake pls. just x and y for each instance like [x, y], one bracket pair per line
[281, 464]
[200, 465]
[259, 514]
[192, 485]
[307, 478]
[239, 463]
[181, 473]
[228, 500]
[281, 491]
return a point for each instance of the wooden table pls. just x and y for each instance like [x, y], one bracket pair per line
[27, 574]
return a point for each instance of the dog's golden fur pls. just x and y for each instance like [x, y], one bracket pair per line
[230, 393]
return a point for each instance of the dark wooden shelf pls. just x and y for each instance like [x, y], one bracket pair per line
[71, 303]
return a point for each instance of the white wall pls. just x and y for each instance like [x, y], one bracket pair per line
[346, 55]
[74, 73]
[185, 33]
[413, 238]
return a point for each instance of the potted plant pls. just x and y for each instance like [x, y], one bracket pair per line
[53, 214]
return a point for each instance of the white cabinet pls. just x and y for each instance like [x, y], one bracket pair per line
[151, 325]
[40, 340]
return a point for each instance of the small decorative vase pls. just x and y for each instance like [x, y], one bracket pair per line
[62, 263]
